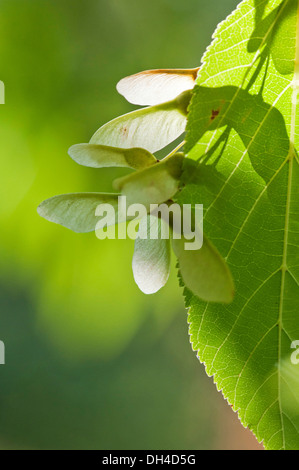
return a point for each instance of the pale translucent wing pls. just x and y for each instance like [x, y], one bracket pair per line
[77, 211]
[99, 156]
[153, 87]
[150, 128]
[205, 272]
[151, 260]
[153, 185]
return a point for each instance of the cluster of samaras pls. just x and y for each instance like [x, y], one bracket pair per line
[131, 141]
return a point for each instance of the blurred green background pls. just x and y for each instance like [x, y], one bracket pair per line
[91, 362]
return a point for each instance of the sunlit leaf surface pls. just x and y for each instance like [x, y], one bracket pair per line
[243, 129]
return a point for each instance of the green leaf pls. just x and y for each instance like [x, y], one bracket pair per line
[153, 185]
[99, 156]
[77, 212]
[204, 272]
[151, 128]
[153, 87]
[151, 260]
[243, 130]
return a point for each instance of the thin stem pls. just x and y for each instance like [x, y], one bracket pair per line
[174, 151]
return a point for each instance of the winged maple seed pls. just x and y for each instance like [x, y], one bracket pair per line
[153, 87]
[166, 93]
[129, 141]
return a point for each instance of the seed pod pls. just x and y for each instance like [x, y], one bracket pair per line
[153, 87]
[205, 272]
[151, 128]
[151, 260]
[77, 211]
[100, 156]
[153, 185]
